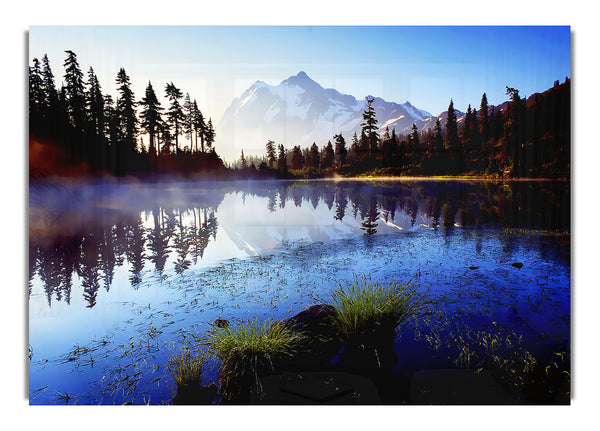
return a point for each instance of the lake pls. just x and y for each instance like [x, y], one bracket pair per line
[122, 275]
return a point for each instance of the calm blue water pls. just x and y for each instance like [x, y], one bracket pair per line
[122, 276]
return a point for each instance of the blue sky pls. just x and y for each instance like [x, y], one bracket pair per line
[424, 65]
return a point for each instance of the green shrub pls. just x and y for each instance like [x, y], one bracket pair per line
[247, 352]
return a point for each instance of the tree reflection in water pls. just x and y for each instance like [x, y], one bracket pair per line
[147, 234]
[369, 224]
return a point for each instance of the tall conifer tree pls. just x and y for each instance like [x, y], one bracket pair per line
[451, 142]
[199, 125]
[341, 153]
[36, 93]
[438, 137]
[271, 159]
[126, 113]
[314, 157]
[484, 123]
[151, 118]
[188, 119]
[94, 103]
[369, 127]
[175, 115]
[74, 91]
[328, 156]
[209, 135]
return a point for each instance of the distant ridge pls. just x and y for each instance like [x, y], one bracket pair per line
[299, 111]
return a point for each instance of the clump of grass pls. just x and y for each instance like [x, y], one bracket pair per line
[186, 369]
[365, 309]
[247, 352]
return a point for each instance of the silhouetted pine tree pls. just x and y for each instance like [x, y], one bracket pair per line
[514, 130]
[271, 158]
[328, 156]
[314, 157]
[438, 137]
[150, 117]
[484, 125]
[281, 160]
[354, 149]
[297, 161]
[127, 118]
[199, 126]
[75, 99]
[188, 119]
[175, 115]
[452, 142]
[94, 104]
[111, 123]
[209, 135]
[49, 87]
[369, 128]
[52, 114]
[243, 163]
[94, 122]
[341, 153]
[36, 96]
[414, 138]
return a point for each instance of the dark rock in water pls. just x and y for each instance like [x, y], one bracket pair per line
[195, 395]
[325, 388]
[370, 353]
[457, 387]
[221, 323]
[473, 267]
[518, 265]
[315, 319]
[322, 341]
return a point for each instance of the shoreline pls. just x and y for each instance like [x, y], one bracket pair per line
[65, 180]
[431, 178]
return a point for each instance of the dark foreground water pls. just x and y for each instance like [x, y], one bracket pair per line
[120, 276]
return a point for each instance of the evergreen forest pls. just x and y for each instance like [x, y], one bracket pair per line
[77, 130]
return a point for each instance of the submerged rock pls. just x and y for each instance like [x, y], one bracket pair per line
[518, 265]
[221, 323]
[457, 387]
[321, 343]
[195, 395]
[315, 320]
[317, 388]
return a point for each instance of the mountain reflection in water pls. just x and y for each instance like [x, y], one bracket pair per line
[88, 231]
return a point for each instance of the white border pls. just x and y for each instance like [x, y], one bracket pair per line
[581, 15]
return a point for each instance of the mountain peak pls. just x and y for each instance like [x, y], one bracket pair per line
[301, 80]
[299, 111]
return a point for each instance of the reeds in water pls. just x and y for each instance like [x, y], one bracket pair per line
[247, 352]
[365, 308]
[186, 369]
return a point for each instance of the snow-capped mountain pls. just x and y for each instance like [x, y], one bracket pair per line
[299, 111]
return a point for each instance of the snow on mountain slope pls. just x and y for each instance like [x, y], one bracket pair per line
[299, 111]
